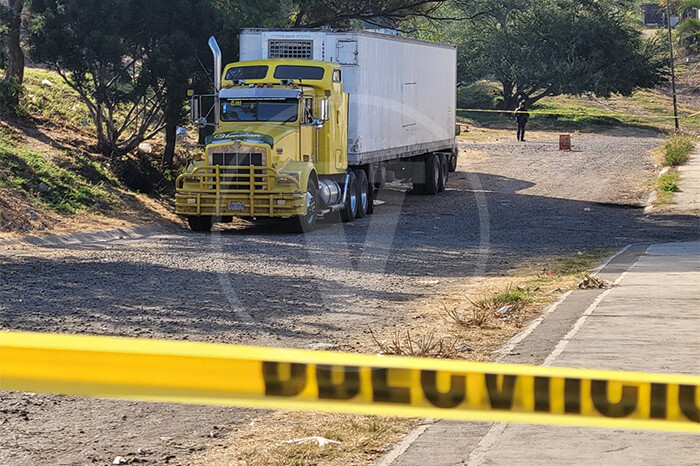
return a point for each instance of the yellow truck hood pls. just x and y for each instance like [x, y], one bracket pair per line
[269, 134]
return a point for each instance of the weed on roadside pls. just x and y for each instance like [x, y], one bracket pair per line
[582, 262]
[426, 345]
[677, 150]
[668, 182]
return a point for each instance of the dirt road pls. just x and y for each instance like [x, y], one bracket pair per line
[509, 204]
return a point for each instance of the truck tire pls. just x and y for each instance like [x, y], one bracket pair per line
[444, 172]
[349, 213]
[364, 197]
[200, 223]
[307, 223]
[432, 174]
[453, 161]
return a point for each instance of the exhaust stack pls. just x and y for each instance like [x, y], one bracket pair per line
[216, 51]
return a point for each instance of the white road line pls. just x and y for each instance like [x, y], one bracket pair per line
[478, 455]
[581, 320]
[505, 350]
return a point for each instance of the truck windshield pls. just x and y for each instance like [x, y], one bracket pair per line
[259, 110]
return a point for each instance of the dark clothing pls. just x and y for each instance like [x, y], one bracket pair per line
[521, 119]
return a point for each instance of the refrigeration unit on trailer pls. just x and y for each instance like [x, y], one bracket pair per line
[310, 122]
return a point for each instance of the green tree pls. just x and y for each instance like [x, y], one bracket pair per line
[100, 52]
[343, 13]
[540, 48]
[688, 30]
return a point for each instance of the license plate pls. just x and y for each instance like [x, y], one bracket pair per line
[236, 206]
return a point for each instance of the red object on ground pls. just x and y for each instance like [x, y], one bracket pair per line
[564, 142]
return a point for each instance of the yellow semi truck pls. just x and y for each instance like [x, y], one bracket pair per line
[314, 122]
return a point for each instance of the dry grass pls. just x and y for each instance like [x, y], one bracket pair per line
[362, 440]
[426, 345]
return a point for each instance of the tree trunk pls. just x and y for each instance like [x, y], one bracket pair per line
[170, 135]
[15, 67]
[173, 112]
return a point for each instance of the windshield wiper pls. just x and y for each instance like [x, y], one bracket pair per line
[290, 119]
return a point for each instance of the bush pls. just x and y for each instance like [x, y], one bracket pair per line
[677, 150]
[9, 92]
[668, 182]
[481, 94]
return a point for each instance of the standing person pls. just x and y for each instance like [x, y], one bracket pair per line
[521, 117]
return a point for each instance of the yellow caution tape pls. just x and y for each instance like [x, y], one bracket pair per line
[204, 373]
[579, 113]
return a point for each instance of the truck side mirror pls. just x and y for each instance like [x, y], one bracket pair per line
[324, 110]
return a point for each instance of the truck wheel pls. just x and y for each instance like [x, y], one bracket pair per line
[349, 213]
[363, 195]
[307, 223]
[453, 161]
[444, 172]
[432, 174]
[200, 223]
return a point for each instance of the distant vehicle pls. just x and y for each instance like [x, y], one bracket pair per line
[311, 122]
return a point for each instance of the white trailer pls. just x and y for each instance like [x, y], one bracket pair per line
[402, 91]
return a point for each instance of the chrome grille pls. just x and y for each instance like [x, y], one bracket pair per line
[238, 158]
[241, 159]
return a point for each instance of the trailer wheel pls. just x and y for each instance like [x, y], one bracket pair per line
[444, 172]
[432, 174]
[364, 197]
[349, 213]
[200, 223]
[307, 223]
[453, 161]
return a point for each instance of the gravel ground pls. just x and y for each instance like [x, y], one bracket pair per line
[508, 204]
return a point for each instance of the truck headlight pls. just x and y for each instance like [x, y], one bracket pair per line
[285, 179]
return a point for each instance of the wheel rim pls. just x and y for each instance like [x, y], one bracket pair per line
[364, 198]
[353, 202]
[310, 208]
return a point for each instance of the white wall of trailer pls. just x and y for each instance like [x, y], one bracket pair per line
[402, 91]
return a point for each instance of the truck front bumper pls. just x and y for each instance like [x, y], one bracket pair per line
[246, 191]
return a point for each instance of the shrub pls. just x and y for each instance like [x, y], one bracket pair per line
[677, 150]
[481, 94]
[668, 182]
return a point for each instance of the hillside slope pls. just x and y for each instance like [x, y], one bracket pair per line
[52, 179]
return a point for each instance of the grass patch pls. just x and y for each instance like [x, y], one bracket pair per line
[668, 182]
[49, 98]
[362, 440]
[666, 185]
[67, 186]
[677, 150]
[582, 263]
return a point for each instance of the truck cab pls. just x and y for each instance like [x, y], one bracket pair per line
[279, 148]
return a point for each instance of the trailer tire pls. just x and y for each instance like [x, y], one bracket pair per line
[349, 213]
[444, 172]
[453, 161]
[200, 223]
[364, 197]
[432, 174]
[307, 223]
